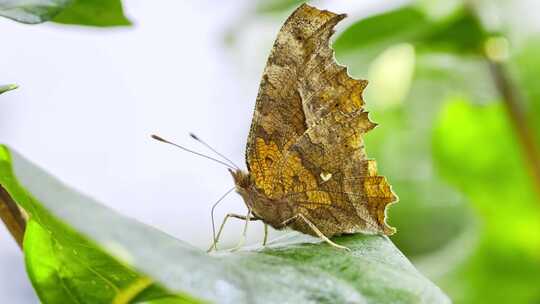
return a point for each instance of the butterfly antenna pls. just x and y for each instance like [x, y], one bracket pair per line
[212, 212]
[213, 150]
[191, 151]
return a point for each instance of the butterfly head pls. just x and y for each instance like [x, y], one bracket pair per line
[244, 187]
[241, 179]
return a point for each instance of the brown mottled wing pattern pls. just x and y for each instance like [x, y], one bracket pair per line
[305, 143]
[279, 118]
[349, 197]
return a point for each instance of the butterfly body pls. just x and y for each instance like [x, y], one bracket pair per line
[274, 212]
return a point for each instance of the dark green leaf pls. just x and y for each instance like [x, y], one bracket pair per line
[8, 87]
[80, 12]
[93, 13]
[458, 33]
[297, 270]
[404, 24]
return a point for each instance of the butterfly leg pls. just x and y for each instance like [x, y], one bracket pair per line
[316, 230]
[230, 215]
[244, 233]
[265, 239]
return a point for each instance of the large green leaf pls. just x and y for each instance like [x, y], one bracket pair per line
[297, 269]
[81, 12]
[476, 150]
[74, 270]
[8, 87]
[63, 265]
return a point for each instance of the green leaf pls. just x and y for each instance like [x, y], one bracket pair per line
[476, 150]
[80, 12]
[295, 269]
[93, 13]
[457, 33]
[76, 271]
[8, 87]
[380, 31]
[66, 267]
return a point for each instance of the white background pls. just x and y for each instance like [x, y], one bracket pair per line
[89, 99]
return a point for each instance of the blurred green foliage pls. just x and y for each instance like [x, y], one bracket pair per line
[525, 66]
[469, 215]
[459, 32]
[80, 12]
[475, 148]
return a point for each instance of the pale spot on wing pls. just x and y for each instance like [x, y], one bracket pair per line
[326, 176]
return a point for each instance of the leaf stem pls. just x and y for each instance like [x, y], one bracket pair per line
[12, 217]
[513, 100]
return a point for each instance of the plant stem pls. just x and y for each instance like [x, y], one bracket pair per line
[513, 100]
[12, 217]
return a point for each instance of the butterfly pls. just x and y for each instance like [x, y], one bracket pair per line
[306, 165]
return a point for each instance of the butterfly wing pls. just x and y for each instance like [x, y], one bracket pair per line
[349, 196]
[305, 142]
[279, 117]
